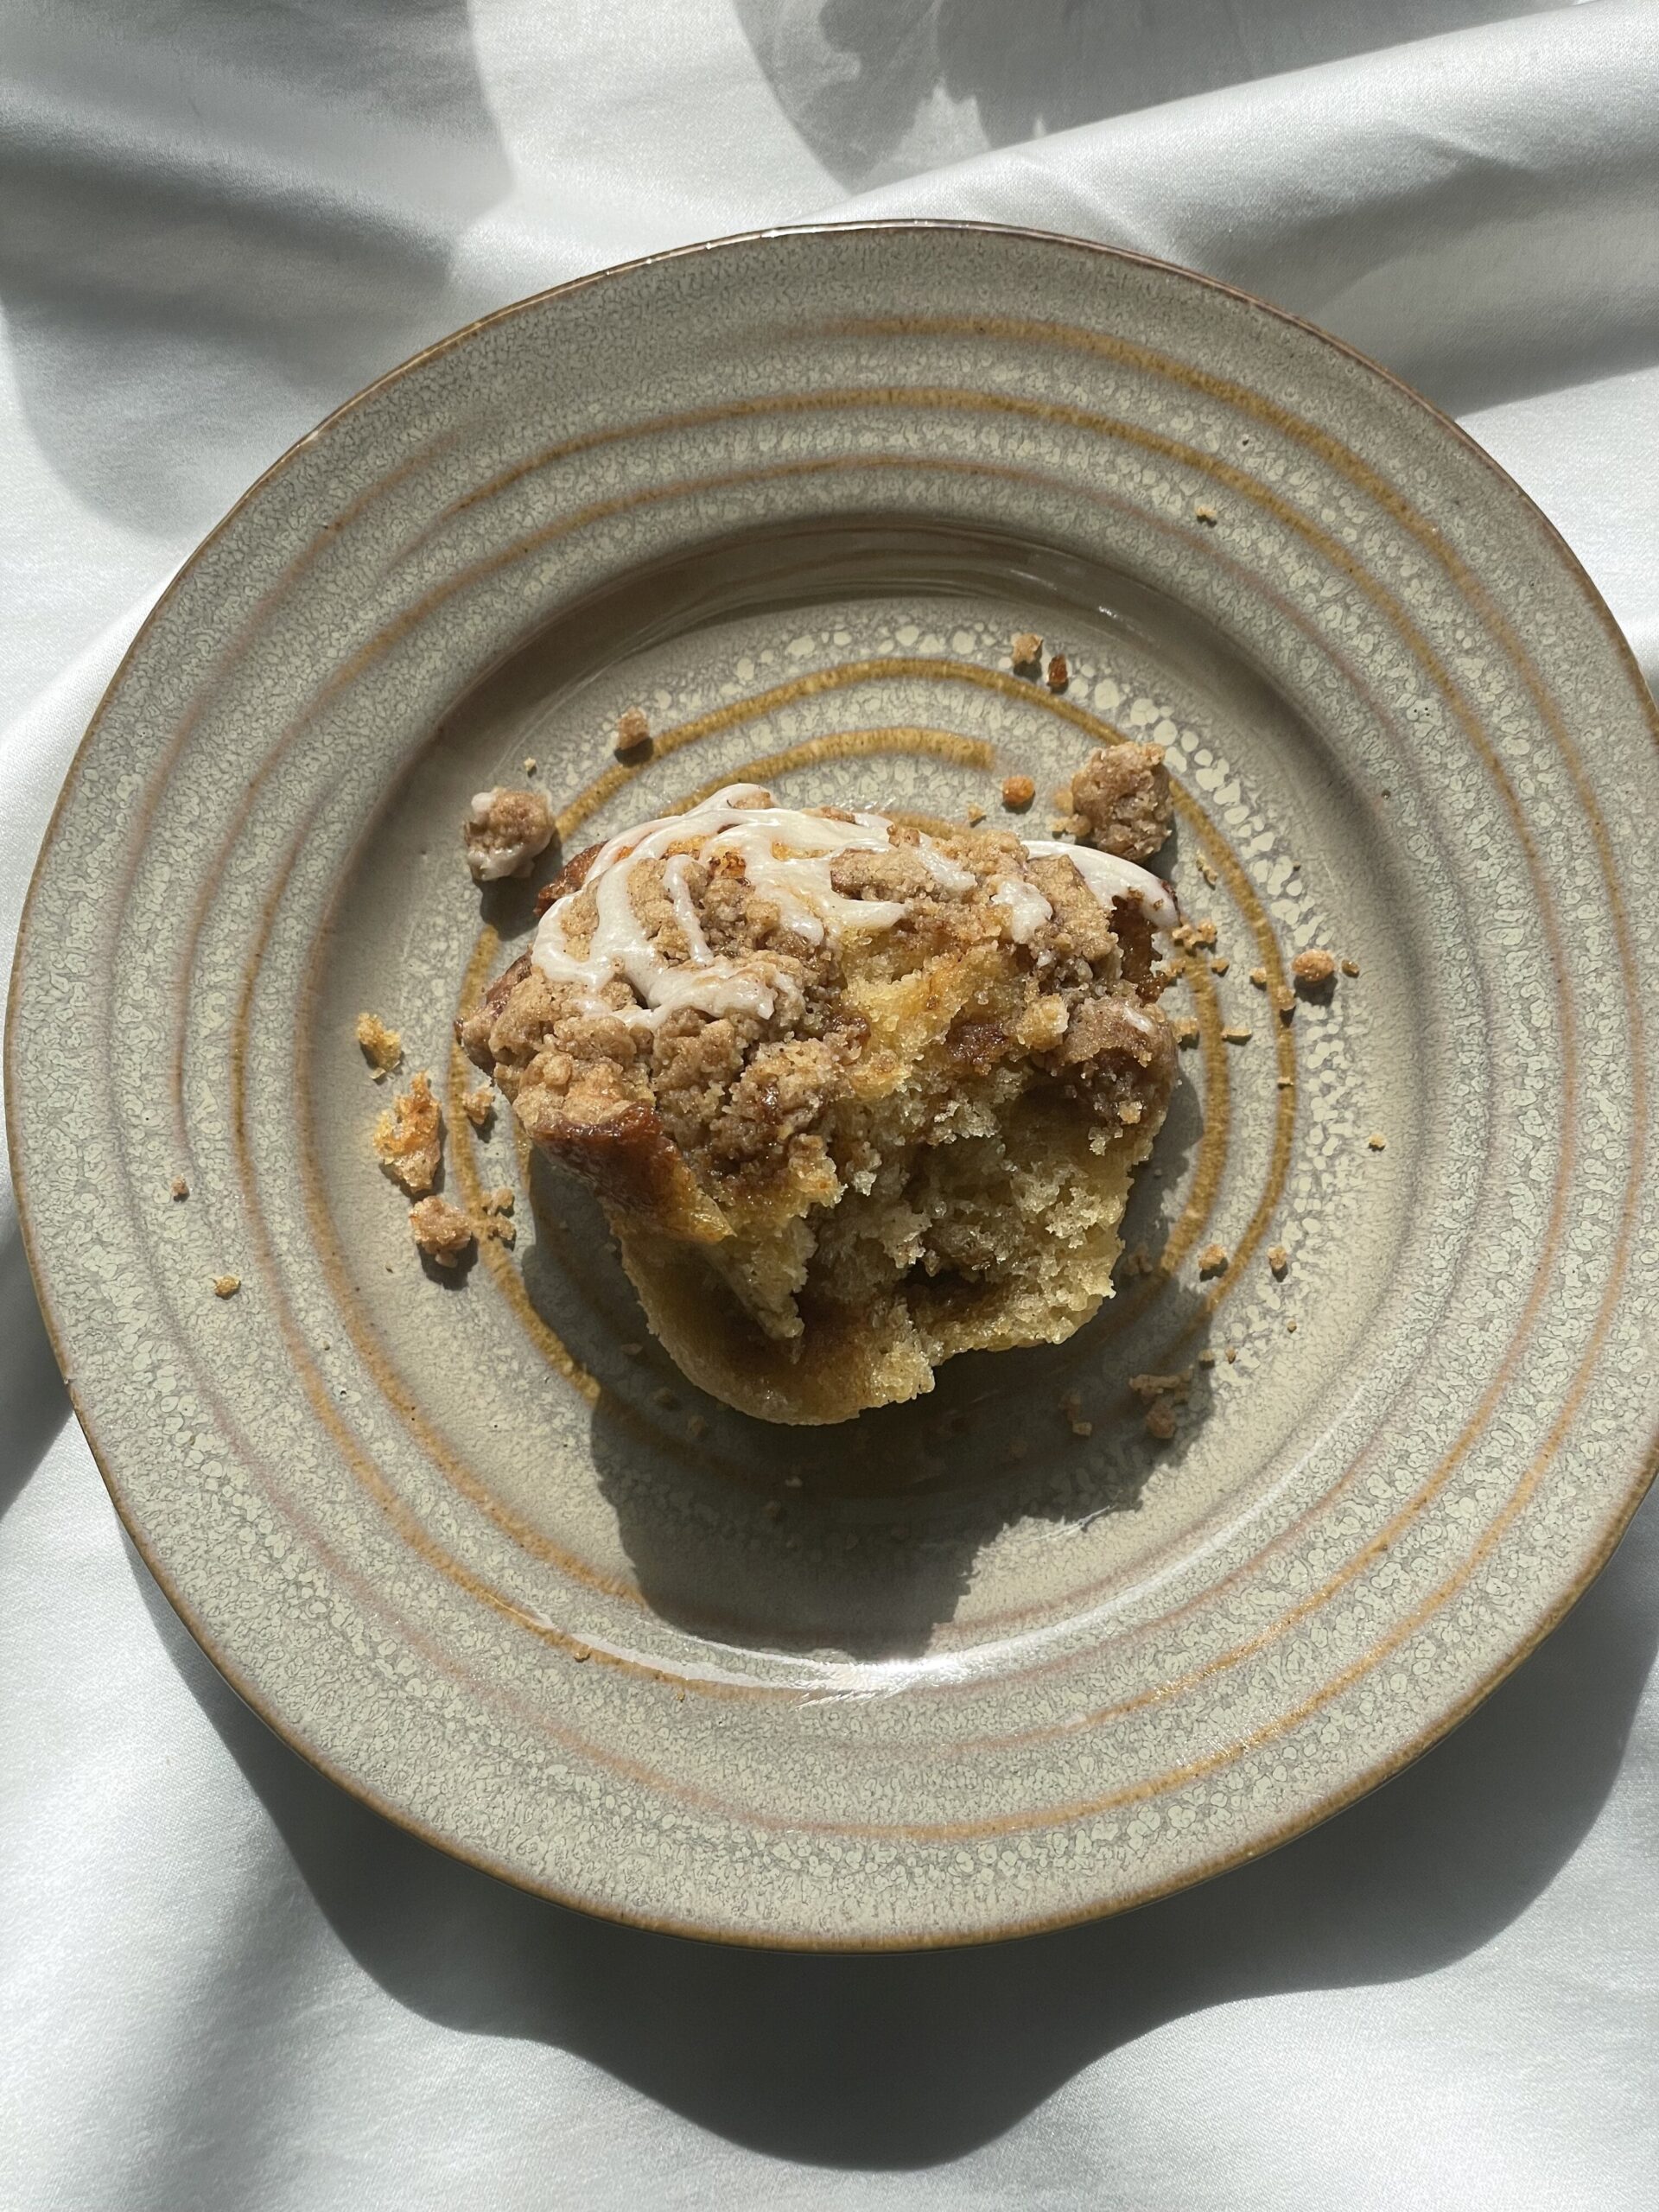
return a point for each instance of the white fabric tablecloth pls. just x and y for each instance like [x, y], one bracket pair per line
[223, 1984]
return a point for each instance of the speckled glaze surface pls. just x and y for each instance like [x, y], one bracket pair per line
[999, 1659]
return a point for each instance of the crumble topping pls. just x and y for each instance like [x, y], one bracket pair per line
[383, 1048]
[409, 1137]
[441, 1231]
[841, 1086]
[1119, 801]
[1314, 971]
[505, 831]
[479, 1105]
[633, 732]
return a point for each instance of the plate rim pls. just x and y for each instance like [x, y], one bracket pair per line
[1646, 1468]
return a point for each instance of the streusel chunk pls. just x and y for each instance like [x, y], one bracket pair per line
[441, 1231]
[505, 831]
[409, 1137]
[1118, 801]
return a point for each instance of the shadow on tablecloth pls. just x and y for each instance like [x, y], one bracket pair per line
[909, 2061]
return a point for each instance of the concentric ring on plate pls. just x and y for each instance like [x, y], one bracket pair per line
[479, 1552]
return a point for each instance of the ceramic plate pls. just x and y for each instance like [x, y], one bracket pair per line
[1002, 1658]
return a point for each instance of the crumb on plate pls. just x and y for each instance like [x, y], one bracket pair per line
[633, 732]
[1018, 792]
[441, 1231]
[1278, 1261]
[1212, 1261]
[1027, 649]
[1314, 971]
[1059, 673]
[1119, 801]
[382, 1047]
[504, 832]
[181, 1188]
[479, 1105]
[226, 1286]
[409, 1137]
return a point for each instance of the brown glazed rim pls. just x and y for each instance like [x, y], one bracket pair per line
[1224, 1862]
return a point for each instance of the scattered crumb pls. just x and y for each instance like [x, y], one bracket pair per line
[1206, 1359]
[1059, 673]
[1286, 1082]
[1197, 935]
[409, 1137]
[1160, 1419]
[226, 1286]
[479, 1105]
[633, 732]
[1018, 792]
[1351, 967]
[665, 1398]
[1278, 1259]
[382, 1047]
[1205, 513]
[1259, 977]
[441, 1231]
[1232, 1355]
[1314, 971]
[1220, 964]
[1186, 1030]
[504, 832]
[1205, 871]
[632, 1351]
[1163, 1386]
[181, 1188]
[1376, 1140]
[1212, 1261]
[697, 1429]
[1071, 1404]
[973, 815]
[791, 1482]
[1290, 1328]
[581, 1657]
[530, 764]
[1234, 1035]
[1026, 651]
[1135, 1262]
[496, 1207]
[1284, 1001]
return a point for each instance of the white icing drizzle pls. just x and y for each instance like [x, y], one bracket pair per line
[1110, 878]
[1028, 909]
[787, 855]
